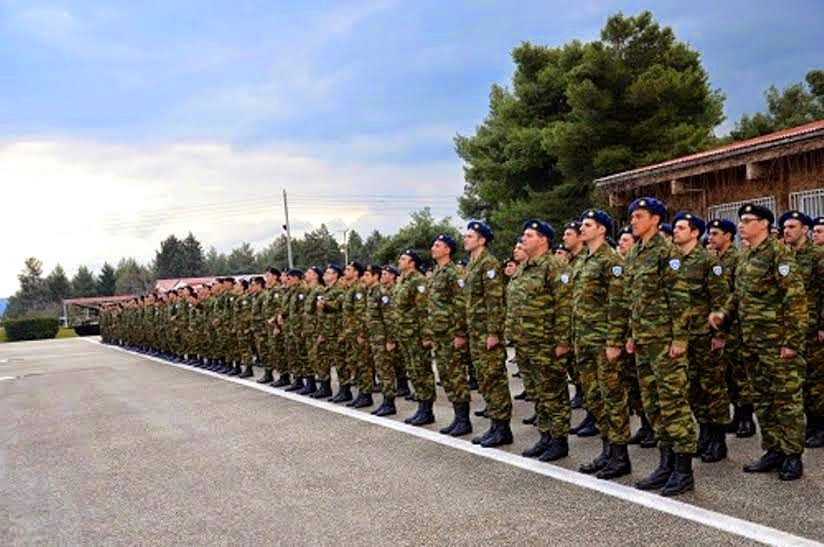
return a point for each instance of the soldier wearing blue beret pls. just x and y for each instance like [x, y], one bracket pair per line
[797, 216]
[449, 241]
[818, 231]
[482, 229]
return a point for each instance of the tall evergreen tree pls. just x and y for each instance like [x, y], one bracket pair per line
[106, 281]
[193, 256]
[170, 260]
[58, 284]
[83, 284]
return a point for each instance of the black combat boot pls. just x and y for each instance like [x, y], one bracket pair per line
[324, 391]
[403, 387]
[815, 437]
[344, 394]
[577, 400]
[296, 385]
[309, 386]
[681, 479]
[500, 436]
[463, 425]
[587, 427]
[387, 408]
[426, 416]
[247, 372]
[486, 434]
[283, 380]
[791, 468]
[481, 413]
[448, 429]
[531, 420]
[364, 400]
[746, 425]
[618, 464]
[736, 420]
[703, 439]
[417, 413]
[558, 448]
[716, 449]
[521, 396]
[267, 377]
[236, 370]
[769, 461]
[539, 447]
[644, 431]
[659, 477]
[600, 460]
[472, 382]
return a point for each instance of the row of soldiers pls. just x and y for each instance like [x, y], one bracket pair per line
[662, 326]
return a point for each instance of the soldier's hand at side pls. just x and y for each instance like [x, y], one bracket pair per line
[630, 347]
[360, 340]
[821, 336]
[390, 346]
[491, 342]
[716, 319]
[717, 344]
[321, 339]
[675, 352]
[427, 343]
[280, 320]
[458, 342]
[788, 353]
[561, 350]
[613, 353]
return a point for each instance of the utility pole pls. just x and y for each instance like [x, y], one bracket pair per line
[288, 230]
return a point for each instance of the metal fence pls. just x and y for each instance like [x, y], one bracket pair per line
[730, 210]
[810, 202]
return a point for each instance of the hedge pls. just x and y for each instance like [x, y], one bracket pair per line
[35, 328]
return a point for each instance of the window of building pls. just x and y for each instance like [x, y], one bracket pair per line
[810, 202]
[730, 210]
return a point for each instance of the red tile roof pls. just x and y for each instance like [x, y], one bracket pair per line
[775, 138]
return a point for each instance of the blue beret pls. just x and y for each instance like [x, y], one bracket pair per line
[695, 222]
[392, 269]
[317, 271]
[295, 272]
[666, 228]
[561, 247]
[758, 211]
[413, 255]
[358, 266]
[724, 225]
[573, 225]
[653, 205]
[818, 221]
[335, 268]
[626, 230]
[797, 215]
[599, 216]
[539, 226]
[462, 262]
[482, 229]
[449, 241]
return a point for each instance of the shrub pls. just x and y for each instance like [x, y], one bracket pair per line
[34, 328]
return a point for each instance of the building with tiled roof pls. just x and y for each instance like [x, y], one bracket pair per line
[782, 170]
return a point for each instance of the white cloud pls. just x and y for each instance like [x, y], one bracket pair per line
[85, 202]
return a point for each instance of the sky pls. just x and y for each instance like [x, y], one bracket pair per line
[123, 122]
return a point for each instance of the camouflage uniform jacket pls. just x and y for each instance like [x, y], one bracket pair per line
[330, 317]
[599, 309]
[446, 303]
[810, 259]
[704, 275]
[484, 290]
[657, 293]
[538, 311]
[410, 305]
[377, 314]
[311, 316]
[354, 310]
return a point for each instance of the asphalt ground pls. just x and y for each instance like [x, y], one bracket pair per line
[101, 446]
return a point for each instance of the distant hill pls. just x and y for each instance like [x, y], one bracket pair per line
[3, 302]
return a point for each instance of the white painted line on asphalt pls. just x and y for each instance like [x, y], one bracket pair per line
[4, 378]
[726, 523]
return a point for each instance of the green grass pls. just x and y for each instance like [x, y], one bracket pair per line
[62, 333]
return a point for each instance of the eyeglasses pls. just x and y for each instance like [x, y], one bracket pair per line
[747, 220]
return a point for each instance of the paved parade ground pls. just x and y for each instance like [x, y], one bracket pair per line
[100, 446]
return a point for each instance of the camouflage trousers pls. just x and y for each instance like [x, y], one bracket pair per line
[739, 386]
[778, 396]
[246, 347]
[604, 391]
[276, 354]
[327, 357]
[814, 381]
[709, 399]
[385, 366]
[359, 363]
[451, 363]
[493, 381]
[527, 374]
[549, 377]
[629, 375]
[418, 362]
[310, 338]
[296, 354]
[664, 393]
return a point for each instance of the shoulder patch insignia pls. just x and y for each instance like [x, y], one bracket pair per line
[358, 295]
[461, 283]
[617, 271]
[717, 269]
[784, 269]
[320, 298]
[301, 296]
[385, 299]
[490, 274]
[675, 264]
[421, 289]
[564, 278]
